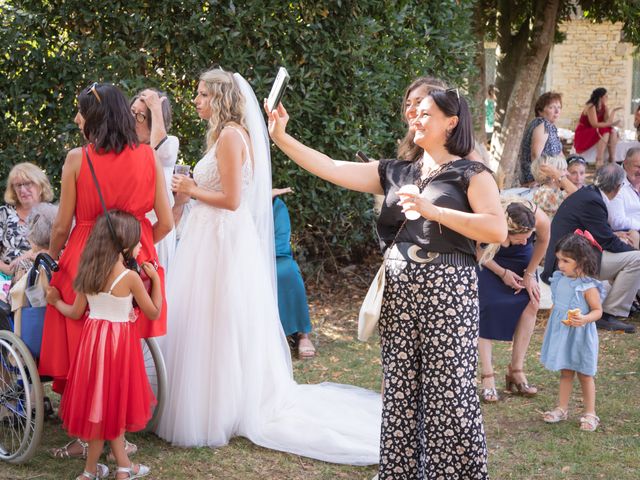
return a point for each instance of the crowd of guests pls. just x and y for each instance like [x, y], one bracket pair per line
[439, 310]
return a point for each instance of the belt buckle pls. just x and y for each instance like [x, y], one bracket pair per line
[412, 253]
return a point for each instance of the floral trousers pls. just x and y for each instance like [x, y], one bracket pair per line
[431, 419]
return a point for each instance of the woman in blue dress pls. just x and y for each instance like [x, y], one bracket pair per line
[570, 342]
[510, 295]
[292, 298]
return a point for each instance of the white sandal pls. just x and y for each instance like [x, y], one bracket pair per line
[102, 471]
[143, 471]
[589, 422]
[556, 415]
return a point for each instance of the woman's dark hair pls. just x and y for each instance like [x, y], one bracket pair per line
[101, 252]
[108, 122]
[407, 150]
[546, 99]
[520, 218]
[167, 114]
[460, 142]
[596, 96]
[578, 248]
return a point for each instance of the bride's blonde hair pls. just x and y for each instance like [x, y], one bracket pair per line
[226, 101]
[521, 218]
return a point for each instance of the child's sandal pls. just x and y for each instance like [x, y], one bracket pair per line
[143, 471]
[101, 472]
[589, 422]
[554, 416]
[64, 452]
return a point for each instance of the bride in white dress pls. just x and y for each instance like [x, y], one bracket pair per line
[228, 362]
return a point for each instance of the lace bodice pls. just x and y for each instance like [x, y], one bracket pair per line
[105, 306]
[206, 172]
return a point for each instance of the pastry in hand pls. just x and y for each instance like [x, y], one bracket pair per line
[570, 313]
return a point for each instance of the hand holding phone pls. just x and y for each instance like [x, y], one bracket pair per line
[277, 90]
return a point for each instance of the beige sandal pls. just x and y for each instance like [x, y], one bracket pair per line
[589, 422]
[64, 453]
[143, 471]
[556, 415]
[306, 349]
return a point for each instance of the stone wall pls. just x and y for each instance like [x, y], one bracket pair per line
[591, 56]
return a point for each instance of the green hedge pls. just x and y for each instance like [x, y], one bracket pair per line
[349, 63]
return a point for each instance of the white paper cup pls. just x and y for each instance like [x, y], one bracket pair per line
[414, 190]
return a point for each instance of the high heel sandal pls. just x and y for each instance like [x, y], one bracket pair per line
[488, 395]
[523, 388]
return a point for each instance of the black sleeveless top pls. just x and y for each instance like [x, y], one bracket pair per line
[447, 189]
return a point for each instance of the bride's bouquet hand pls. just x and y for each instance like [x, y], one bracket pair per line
[278, 119]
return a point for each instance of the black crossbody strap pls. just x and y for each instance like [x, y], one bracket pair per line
[104, 205]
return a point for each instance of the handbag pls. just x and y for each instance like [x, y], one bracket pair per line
[129, 261]
[372, 303]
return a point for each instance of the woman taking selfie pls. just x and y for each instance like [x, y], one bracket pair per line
[431, 267]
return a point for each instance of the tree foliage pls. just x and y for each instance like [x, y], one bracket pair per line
[349, 63]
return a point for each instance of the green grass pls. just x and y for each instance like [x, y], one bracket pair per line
[521, 446]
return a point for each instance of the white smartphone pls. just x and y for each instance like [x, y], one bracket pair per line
[277, 90]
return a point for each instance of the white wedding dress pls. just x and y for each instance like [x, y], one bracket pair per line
[228, 362]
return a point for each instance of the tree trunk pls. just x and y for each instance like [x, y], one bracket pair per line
[506, 143]
[480, 94]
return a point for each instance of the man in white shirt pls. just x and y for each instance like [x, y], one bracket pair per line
[624, 209]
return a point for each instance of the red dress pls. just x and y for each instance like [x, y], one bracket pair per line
[107, 391]
[587, 136]
[128, 183]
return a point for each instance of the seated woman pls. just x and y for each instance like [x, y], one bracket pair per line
[541, 135]
[27, 186]
[510, 294]
[551, 175]
[576, 170]
[292, 299]
[595, 127]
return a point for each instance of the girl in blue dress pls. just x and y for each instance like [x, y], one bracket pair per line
[571, 342]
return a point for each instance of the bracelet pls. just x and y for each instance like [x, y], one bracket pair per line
[531, 274]
[504, 273]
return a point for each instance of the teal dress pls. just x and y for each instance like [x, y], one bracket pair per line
[292, 298]
[564, 347]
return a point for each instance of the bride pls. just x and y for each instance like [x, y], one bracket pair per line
[228, 361]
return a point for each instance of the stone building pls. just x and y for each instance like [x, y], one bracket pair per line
[592, 55]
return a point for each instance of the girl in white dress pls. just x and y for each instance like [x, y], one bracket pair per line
[228, 362]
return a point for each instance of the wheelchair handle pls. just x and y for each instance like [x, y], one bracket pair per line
[44, 260]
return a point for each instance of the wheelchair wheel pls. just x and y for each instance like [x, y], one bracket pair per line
[21, 401]
[157, 374]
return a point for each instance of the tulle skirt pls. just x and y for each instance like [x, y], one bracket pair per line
[228, 362]
[107, 391]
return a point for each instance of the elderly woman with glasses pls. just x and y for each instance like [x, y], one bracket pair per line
[27, 186]
[429, 318]
[152, 111]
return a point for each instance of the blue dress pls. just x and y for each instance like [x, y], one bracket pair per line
[500, 309]
[564, 347]
[292, 298]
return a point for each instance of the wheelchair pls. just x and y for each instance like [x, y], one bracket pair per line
[22, 408]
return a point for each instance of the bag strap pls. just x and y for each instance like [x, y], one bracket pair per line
[104, 205]
[423, 184]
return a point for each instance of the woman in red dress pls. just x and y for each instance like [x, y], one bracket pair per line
[130, 181]
[595, 127]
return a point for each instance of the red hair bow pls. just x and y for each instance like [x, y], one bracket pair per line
[589, 237]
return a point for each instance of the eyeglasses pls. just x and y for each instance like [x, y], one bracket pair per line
[94, 89]
[27, 185]
[139, 116]
[576, 159]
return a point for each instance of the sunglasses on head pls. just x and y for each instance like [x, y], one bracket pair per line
[94, 89]
[576, 159]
